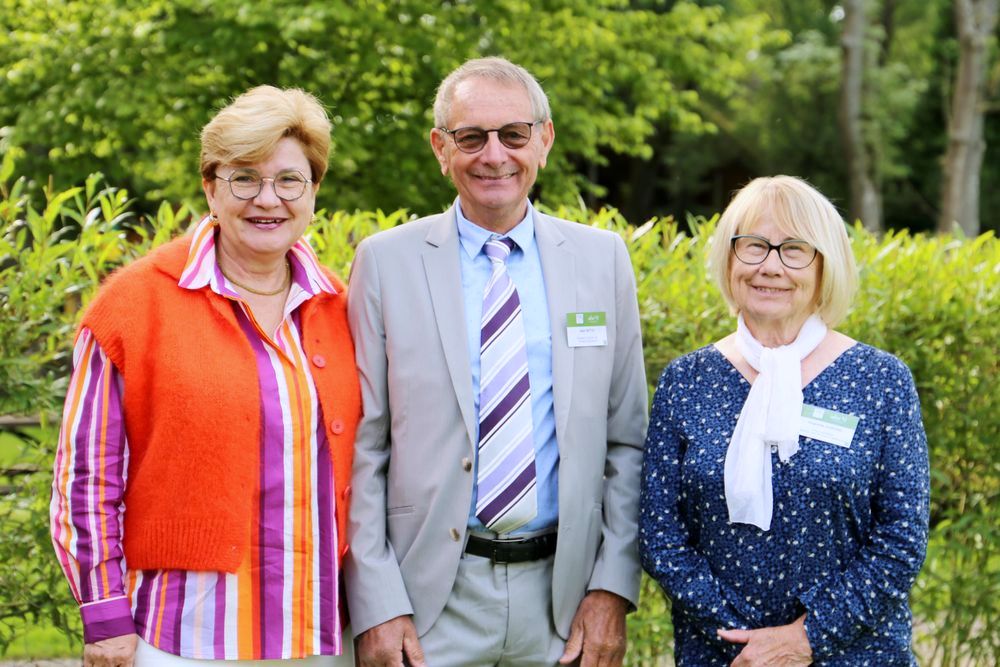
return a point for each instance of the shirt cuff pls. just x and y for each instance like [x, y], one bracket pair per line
[105, 619]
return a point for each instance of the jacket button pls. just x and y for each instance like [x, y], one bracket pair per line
[337, 426]
[319, 361]
[466, 464]
[455, 535]
[346, 493]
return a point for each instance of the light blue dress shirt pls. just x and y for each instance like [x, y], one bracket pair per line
[525, 268]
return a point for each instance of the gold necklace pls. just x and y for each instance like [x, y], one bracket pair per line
[284, 284]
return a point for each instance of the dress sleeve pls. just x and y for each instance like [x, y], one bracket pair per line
[848, 602]
[87, 491]
[666, 546]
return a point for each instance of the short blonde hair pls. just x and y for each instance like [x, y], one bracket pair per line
[494, 69]
[249, 128]
[802, 212]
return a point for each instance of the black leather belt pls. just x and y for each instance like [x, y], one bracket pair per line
[513, 549]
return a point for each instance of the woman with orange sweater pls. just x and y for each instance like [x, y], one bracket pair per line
[201, 481]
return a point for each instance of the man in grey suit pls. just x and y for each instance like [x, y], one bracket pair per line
[496, 475]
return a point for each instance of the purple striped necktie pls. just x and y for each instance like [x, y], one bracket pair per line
[506, 477]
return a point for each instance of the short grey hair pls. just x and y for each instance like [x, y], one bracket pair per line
[494, 69]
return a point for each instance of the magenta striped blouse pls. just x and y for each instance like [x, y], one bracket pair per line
[283, 600]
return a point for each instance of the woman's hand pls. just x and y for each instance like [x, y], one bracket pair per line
[113, 652]
[780, 646]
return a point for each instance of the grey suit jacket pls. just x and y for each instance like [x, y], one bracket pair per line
[412, 485]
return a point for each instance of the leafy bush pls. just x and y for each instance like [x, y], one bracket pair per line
[932, 301]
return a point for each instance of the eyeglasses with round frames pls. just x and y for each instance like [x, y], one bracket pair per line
[473, 139]
[794, 253]
[245, 184]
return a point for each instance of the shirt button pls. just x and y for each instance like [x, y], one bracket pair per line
[344, 549]
[319, 361]
[466, 464]
[337, 426]
[346, 493]
[455, 535]
[774, 448]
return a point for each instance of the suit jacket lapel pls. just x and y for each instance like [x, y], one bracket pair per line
[559, 271]
[444, 280]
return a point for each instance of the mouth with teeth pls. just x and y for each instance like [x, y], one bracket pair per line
[265, 223]
[494, 177]
[770, 290]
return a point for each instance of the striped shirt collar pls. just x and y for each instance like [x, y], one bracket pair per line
[202, 269]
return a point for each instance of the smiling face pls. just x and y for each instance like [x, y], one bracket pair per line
[493, 183]
[258, 232]
[774, 300]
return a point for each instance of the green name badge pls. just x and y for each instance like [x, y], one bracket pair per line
[586, 329]
[827, 425]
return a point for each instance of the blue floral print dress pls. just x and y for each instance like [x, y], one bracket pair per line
[849, 530]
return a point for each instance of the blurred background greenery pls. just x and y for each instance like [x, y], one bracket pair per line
[661, 109]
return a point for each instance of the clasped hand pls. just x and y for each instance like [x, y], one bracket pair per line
[779, 646]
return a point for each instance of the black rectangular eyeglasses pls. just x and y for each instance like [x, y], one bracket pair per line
[751, 249]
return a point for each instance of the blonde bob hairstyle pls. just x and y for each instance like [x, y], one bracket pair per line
[801, 212]
[495, 69]
[249, 128]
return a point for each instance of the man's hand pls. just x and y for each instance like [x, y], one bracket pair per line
[391, 644]
[597, 635]
[780, 646]
[113, 652]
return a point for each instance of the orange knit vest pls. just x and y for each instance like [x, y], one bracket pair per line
[192, 410]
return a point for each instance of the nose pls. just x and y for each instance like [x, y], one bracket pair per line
[268, 196]
[772, 263]
[493, 152]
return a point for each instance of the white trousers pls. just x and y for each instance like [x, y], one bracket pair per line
[147, 655]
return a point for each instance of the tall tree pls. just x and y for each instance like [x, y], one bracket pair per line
[963, 161]
[865, 198]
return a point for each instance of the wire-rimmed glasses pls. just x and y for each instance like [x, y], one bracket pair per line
[288, 185]
[473, 139]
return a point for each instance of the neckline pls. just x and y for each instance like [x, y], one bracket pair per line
[809, 384]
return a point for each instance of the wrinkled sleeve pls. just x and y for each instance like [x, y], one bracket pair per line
[616, 568]
[373, 581]
[852, 601]
[87, 491]
[666, 546]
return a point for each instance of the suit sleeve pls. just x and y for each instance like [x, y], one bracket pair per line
[617, 566]
[375, 589]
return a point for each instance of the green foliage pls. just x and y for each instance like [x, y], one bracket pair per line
[933, 302]
[123, 86]
[930, 300]
[51, 259]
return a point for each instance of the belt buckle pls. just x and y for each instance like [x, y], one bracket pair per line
[495, 555]
[498, 543]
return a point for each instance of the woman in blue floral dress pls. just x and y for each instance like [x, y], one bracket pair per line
[785, 491]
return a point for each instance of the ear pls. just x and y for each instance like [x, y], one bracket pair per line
[440, 147]
[208, 186]
[548, 138]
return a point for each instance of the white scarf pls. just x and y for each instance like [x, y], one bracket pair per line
[770, 416]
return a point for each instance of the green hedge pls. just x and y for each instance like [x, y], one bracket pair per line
[933, 301]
